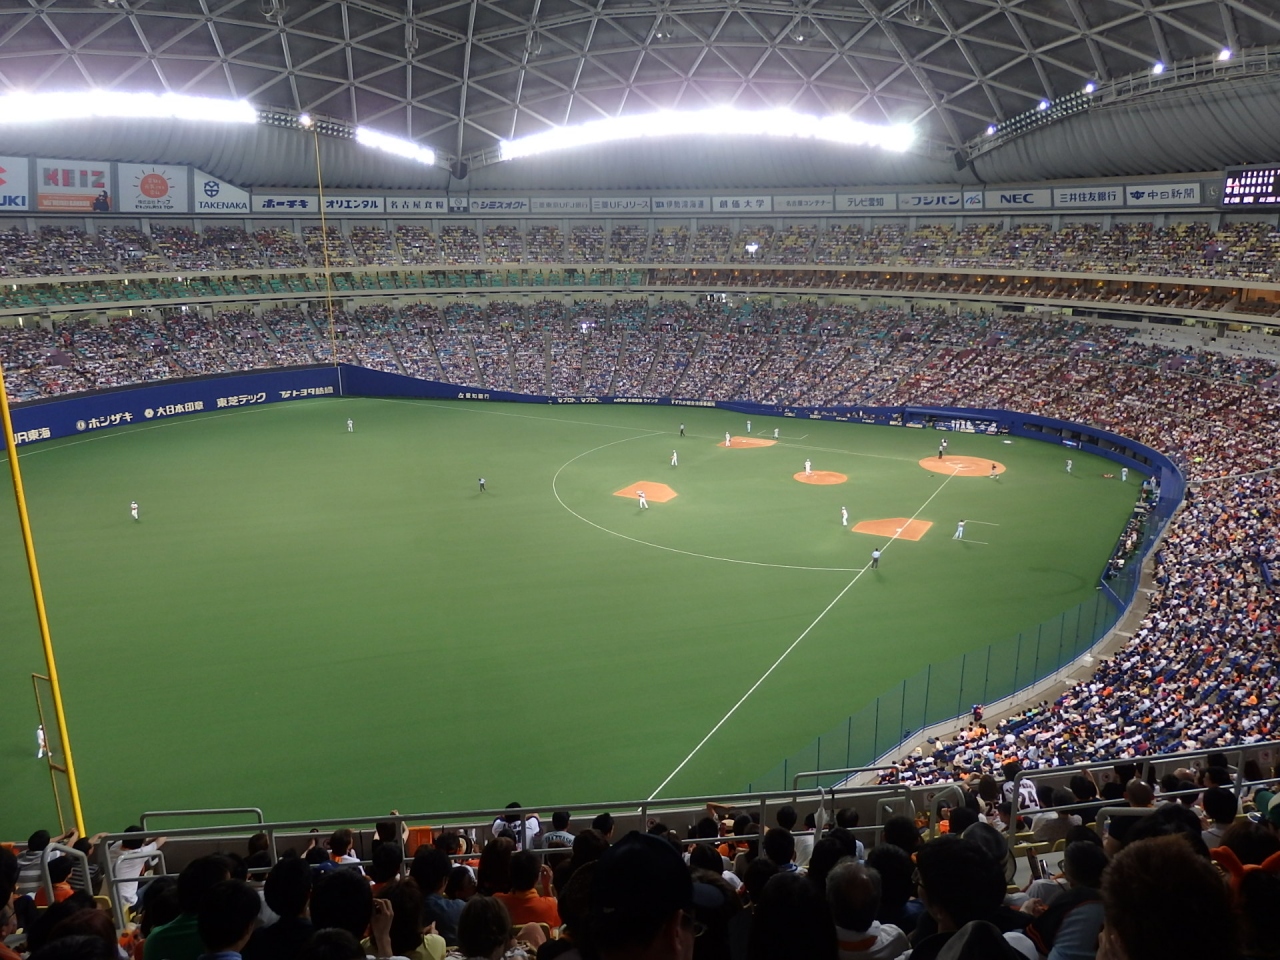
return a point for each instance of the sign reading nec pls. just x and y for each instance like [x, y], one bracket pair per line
[1018, 198]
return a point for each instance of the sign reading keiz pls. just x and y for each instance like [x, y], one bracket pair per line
[73, 186]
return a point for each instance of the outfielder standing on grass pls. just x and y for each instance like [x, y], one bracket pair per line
[844, 516]
[482, 484]
[133, 508]
[682, 429]
[1124, 474]
[1068, 466]
[959, 535]
[675, 461]
[875, 558]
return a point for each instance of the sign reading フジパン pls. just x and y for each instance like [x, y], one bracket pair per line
[218, 196]
[152, 188]
[15, 180]
[73, 186]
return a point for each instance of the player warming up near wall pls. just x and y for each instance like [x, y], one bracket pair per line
[1068, 466]
[351, 426]
[959, 535]
[1124, 474]
[42, 743]
[748, 426]
[844, 516]
[644, 504]
[133, 509]
[675, 461]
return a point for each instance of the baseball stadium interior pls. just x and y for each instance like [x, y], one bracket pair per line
[1006, 259]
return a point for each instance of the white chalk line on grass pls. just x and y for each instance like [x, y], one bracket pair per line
[985, 523]
[795, 643]
[688, 553]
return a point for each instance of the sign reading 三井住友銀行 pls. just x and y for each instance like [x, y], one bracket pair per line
[866, 202]
[1161, 194]
[1088, 195]
[291, 203]
[73, 186]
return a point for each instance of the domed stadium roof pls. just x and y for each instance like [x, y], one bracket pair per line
[462, 76]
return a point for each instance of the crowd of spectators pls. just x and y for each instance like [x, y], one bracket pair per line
[1216, 412]
[1246, 250]
[724, 887]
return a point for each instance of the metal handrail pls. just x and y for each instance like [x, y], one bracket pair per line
[208, 812]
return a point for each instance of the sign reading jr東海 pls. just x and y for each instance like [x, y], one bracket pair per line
[73, 186]
[152, 188]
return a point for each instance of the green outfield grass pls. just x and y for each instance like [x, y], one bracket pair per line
[330, 624]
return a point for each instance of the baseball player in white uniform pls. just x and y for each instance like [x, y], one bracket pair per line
[644, 504]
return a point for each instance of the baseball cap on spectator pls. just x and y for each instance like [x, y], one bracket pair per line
[639, 882]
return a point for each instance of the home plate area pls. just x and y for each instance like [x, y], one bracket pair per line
[653, 492]
[899, 527]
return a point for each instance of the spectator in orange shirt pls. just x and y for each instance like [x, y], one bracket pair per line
[524, 902]
[59, 873]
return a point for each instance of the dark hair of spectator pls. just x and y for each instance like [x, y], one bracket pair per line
[1250, 842]
[494, 874]
[786, 817]
[385, 863]
[902, 832]
[76, 948]
[780, 846]
[896, 887]
[342, 898]
[604, 823]
[1142, 882]
[430, 868]
[199, 877]
[288, 887]
[406, 915]
[960, 878]
[332, 944]
[228, 912]
[483, 927]
[791, 922]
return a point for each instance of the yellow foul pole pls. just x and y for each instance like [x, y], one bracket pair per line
[33, 569]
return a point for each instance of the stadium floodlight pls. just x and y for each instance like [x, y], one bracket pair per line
[1224, 53]
[714, 122]
[991, 130]
[1043, 105]
[1158, 68]
[396, 145]
[304, 120]
[1090, 87]
[401, 148]
[44, 107]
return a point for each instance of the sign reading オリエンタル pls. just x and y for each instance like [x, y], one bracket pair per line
[153, 188]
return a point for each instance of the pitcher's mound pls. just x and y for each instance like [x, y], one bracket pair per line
[900, 527]
[653, 492]
[821, 477]
[962, 466]
[739, 442]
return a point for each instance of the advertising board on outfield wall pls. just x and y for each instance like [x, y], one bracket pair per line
[104, 187]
